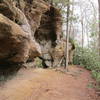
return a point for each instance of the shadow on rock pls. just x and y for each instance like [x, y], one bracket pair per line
[8, 70]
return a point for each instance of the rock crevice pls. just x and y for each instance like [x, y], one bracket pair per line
[29, 29]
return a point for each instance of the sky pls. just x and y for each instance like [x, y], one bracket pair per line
[95, 1]
[89, 13]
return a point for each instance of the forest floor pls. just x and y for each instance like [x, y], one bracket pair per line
[49, 84]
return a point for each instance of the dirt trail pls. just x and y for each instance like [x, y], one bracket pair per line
[41, 84]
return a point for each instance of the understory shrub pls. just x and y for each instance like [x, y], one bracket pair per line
[89, 59]
[38, 63]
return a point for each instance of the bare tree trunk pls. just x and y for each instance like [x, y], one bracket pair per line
[73, 35]
[99, 28]
[67, 34]
[82, 33]
[87, 29]
[87, 37]
[71, 29]
[93, 8]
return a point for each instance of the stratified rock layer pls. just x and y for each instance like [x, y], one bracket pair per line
[29, 29]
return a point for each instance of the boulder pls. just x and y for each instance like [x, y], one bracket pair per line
[16, 45]
[58, 53]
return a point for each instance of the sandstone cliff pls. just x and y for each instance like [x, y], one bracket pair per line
[29, 29]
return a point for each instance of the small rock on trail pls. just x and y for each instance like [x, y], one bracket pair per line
[48, 84]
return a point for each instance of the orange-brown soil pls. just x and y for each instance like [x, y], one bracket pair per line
[49, 84]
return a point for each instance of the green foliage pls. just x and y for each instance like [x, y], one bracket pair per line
[38, 63]
[89, 59]
[72, 42]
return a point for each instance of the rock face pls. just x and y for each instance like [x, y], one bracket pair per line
[29, 29]
[17, 44]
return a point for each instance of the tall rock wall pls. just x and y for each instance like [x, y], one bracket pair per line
[29, 29]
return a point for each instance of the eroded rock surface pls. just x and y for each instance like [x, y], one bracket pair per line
[29, 29]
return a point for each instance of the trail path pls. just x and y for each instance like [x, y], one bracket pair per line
[48, 84]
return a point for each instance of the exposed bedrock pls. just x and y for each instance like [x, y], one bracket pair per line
[15, 44]
[30, 29]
